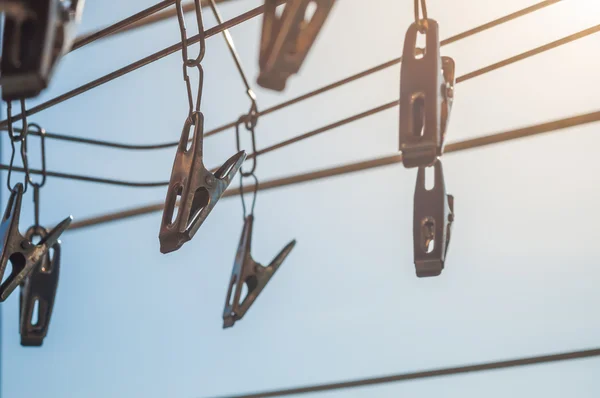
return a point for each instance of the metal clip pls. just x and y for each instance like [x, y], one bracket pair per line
[196, 187]
[36, 35]
[249, 272]
[432, 223]
[39, 289]
[426, 95]
[23, 254]
[286, 39]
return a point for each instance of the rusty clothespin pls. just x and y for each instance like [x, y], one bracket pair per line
[247, 271]
[286, 39]
[426, 95]
[39, 289]
[196, 188]
[432, 223]
[37, 33]
[22, 254]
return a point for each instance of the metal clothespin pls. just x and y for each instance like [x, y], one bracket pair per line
[39, 289]
[286, 39]
[249, 272]
[37, 34]
[432, 223]
[197, 189]
[22, 254]
[426, 94]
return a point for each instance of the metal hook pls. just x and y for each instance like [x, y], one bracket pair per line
[22, 254]
[286, 40]
[426, 96]
[249, 121]
[39, 289]
[432, 223]
[14, 138]
[191, 62]
[422, 23]
[247, 271]
[196, 187]
[255, 192]
[33, 49]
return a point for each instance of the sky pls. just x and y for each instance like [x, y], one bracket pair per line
[521, 275]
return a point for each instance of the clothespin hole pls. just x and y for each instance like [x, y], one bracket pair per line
[309, 13]
[35, 313]
[429, 178]
[35, 239]
[418, 115]
[201, 200]
[420, 45]
[190, 139]
[244, 293]
[230, 292]
[172, 210]
[279, 10]
[428, 234]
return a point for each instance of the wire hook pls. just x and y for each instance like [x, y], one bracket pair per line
[253, 197]
[421, 22]
[14, 138]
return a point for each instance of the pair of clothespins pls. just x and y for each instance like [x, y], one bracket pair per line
[426, 96]
[37, 33]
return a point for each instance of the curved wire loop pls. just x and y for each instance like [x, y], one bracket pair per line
[249, 121]
[37, 184]
[14, 138]
[421, 22]
[256, 184]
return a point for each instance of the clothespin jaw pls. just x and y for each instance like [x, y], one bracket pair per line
[197, 189]
[34, 40]
[432, 222]
[286, 39]
[249, 272]
[22, 254]
[39, 289]
[426, 94]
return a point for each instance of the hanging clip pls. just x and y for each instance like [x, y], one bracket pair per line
[39, 289]
[196, 188]
[23, 254]
[286, 39]
[432, 223]
[426, 95]
[249, 272]
[36, 35]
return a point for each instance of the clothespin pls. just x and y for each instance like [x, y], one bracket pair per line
[23, 255]
[286, 39]
[37, 34]
[39, 289]
[426, 95]
[197, 189]
[432, 223]
[249, 272]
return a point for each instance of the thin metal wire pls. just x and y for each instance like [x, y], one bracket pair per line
[456, 370]
[22, 143]
[313, 93]
[421, 22]
[109, 30]
[141, 63]
[472, 143]
[254, 194]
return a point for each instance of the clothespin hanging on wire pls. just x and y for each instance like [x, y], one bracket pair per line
[196, 188]
[246, 271]
[39, 288]
[37, 33]
[433, 217]
[286, 39]
[23, 255]
[426, 94]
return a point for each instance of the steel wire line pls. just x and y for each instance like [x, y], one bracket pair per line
[472, 143]
[350, 119]
[453, 39]
[140, 63]
[480, 367]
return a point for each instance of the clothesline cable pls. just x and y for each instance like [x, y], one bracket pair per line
[458, 146]
[426, 374]
[453, 39]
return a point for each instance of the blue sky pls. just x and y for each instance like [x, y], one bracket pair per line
[521, 278]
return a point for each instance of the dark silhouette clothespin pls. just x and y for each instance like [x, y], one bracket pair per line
[22, 254]
[426, 95]
[39, 289]
[432, 223]
[286, 39]
[249, 272]
[197, 189]
[37, 33]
